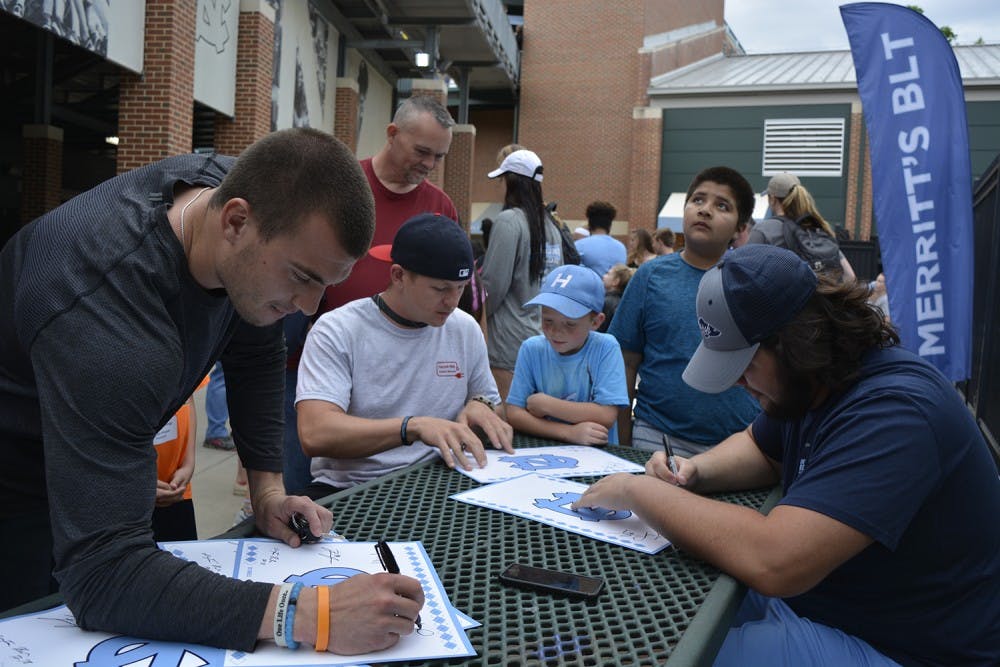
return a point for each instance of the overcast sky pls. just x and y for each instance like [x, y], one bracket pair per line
[774, 26]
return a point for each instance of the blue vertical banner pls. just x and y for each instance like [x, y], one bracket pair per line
[914, 108]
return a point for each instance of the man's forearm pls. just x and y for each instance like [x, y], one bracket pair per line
[326, 431]
[264, 483]
[734, 464]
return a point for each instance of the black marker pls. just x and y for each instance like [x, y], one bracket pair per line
[670, 455]
[298, 523]
[389, 565]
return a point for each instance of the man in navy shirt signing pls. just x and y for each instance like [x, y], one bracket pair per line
[885, 549]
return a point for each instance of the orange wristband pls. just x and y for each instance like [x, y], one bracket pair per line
[322, 618]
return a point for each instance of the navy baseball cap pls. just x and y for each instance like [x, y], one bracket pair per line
[431, 245]
[571, 290]
[754, 291]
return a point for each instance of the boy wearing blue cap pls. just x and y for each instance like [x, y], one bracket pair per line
[569, 382]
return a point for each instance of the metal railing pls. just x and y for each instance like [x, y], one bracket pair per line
[982, 391]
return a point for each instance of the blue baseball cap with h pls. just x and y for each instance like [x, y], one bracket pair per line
[571, 290]
[754, 291]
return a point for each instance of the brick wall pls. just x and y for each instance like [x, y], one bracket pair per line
[494, 130]
[578, 89]
[585, 66]
[458, 176]
[345, 121]
[155, 107]
[647, 140]
[252, 111]
[866, 193]
[853, 173]
[666, 15]
[42, 147]
[685, 52]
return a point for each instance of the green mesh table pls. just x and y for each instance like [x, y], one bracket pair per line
[667, 608]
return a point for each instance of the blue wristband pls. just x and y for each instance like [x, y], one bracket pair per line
[290, 616]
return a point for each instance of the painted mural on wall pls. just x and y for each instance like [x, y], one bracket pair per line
[110, 28]
[216, 32]
[305, 65]
[83, 22]
[374, 104]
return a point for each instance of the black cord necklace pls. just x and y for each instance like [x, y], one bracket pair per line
[394, 316]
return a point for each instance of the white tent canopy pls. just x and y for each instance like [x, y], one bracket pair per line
[672, 213]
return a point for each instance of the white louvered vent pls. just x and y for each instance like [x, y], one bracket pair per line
[804, 146]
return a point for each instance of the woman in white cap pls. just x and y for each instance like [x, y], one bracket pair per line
[524, 245]
[788, 198]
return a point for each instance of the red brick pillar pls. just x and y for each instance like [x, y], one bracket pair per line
[458, 176]
[854, 169]
[866, 194]
[254, 71]
[42, 180]
[644, 171]
[438, 89]
[155, 108]
[345, 112]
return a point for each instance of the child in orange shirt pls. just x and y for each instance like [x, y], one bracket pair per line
[173, 516]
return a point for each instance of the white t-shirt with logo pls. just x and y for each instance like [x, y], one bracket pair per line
[355, 358]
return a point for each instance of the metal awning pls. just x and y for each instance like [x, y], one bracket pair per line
[474, 41]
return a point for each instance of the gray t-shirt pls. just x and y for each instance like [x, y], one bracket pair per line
[509, 285]
[358, 360]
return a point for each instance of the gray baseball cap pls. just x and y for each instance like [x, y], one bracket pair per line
[781, 185]
[754, 291]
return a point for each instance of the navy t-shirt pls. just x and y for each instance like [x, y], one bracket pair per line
[899, 458]
[656, 318]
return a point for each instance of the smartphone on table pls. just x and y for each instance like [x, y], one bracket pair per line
[552, 581]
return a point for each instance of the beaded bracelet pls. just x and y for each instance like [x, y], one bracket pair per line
[290, 617]
[322, 618]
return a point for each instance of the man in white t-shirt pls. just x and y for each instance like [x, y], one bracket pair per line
[402, 376]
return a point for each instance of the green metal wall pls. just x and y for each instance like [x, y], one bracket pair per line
[984, 135]
[697, 138]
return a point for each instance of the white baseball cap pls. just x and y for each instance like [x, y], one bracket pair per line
[523, 162]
